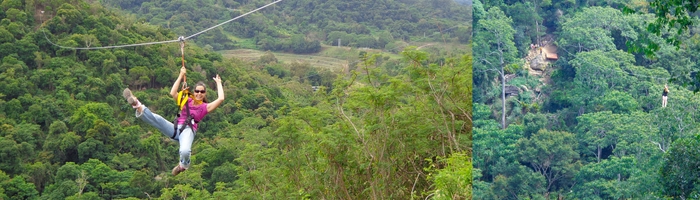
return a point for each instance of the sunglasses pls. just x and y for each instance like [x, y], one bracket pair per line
[200, 91]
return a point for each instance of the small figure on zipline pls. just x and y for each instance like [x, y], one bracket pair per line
[664, 96]
[192, 112]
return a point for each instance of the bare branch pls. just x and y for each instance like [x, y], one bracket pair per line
[656, 143]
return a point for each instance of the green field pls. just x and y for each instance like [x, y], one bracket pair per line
[333, 64]
[331, 57]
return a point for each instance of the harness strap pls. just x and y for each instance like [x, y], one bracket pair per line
[188, 120]
[182, 52]
[184, 95]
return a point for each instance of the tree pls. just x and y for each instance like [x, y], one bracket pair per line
[184, 191]
[6, 36]
[40, 175]
[12, 160]
[18, 188]
[87, 116]
[680, 169]
[528, 25]
[495, 49]
[593, 29]
[608, 179]
[606, 130]
[16, 15]
[672, 15]
[16, 4]
[597, 73]
[143, 181]
[675, 121]
[550, 153]
[617, 102]
[140, 76]
[597, 131]
[453, 181]
[492, 145]
[517, 182]
[678, 62]
[538, 4]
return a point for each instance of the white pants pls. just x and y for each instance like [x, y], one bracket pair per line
[186, 137]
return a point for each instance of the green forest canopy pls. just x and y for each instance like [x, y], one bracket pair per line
[300, 26]
[592, 126]
[388, 129]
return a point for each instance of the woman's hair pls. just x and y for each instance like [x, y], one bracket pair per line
[200, 83]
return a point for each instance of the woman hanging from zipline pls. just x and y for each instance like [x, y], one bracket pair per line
[195, 108]
[664, 96]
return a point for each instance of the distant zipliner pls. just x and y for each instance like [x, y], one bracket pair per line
[193, 106]
[664, 96]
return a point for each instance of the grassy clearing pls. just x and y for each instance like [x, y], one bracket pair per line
[333, 64]
[335, 58]
[449, 49]
[244, 43]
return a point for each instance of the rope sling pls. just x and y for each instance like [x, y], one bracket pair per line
[182, 98]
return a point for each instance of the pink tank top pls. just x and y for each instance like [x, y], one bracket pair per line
[198, 112]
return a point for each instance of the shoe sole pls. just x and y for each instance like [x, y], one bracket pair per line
[177, 171]
[128, 96]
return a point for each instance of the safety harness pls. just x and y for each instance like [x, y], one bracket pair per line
[182, 97]
[182, 100]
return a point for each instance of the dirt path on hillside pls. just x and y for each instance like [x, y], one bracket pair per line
[540, 59]
[425, 45]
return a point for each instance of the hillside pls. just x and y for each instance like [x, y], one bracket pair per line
[67, 132]
[591, 122]
[297, 26]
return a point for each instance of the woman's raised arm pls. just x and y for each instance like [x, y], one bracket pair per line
[220, 92]
[173, 91]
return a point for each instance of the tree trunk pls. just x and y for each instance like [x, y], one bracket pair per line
[537, 33]
[503, 89]
[503, 96]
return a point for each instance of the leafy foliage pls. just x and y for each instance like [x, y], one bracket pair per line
[601, 132]
[301, 26]
[386, 129]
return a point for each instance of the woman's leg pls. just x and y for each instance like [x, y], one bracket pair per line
[186, 138]
[165, 126]
[665, 101]
[147, 116]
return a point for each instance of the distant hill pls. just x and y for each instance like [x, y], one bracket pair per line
[299, 26]
[464, 2]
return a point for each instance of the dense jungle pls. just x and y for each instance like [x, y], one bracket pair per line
[392, 122]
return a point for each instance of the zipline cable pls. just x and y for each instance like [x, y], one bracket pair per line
[180, 39]
[604, 69]
[235, 18]
[357, 61]
[108, 47]
[182, 51]
[623, 70]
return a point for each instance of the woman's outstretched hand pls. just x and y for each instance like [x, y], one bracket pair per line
[217, 78]
[220, 92]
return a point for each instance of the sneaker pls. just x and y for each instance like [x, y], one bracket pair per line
[130, 98]
[178, 169]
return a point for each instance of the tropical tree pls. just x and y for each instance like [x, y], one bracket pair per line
[495, 50]
[552, 154]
